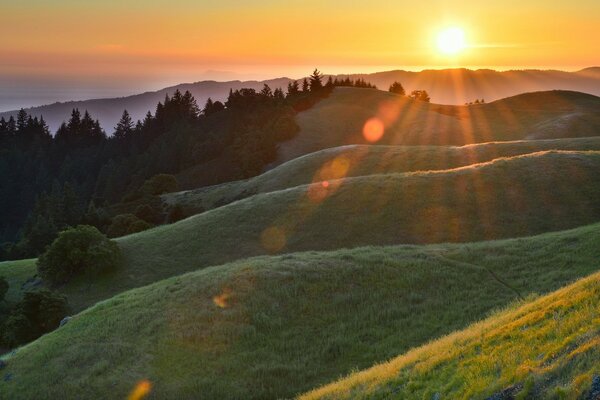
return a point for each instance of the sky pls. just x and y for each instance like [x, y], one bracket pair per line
[65, 49]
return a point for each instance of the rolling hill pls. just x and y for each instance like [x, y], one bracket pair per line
[549, 348]
[504, 198]
[361, 160]
[273, 327]
[339, 120]
[447, 86]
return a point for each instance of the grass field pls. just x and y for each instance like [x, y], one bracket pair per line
[273, 327]
[511, 197]
[339, 120]
[546, 349]
[361, 160]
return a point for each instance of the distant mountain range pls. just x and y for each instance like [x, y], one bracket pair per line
[448, 86]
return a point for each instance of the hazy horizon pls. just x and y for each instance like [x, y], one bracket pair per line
[24, 92]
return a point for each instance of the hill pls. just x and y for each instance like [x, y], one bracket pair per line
[549, 348]
[361, 160]
[504, 198]
[339, 120]
[274, 327]
[447, 86]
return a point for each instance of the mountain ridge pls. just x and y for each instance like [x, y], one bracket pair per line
[446, 86]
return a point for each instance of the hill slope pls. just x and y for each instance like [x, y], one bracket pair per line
[274, 327]
[510, 197]
[361, 160]
[549, 348]
[339, 120]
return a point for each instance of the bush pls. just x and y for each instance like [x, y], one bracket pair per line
[175, 214]
[39, 312]
[126, 224]
[148, 213]
[159, 184]
[3, 288]
[76, 251]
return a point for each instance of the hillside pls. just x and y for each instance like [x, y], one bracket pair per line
[273, 327]
[447, 86]
[361, 160]
[504, 198]
[339, 120]
[549, 348]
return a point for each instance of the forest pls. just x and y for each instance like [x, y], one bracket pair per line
[81, 175]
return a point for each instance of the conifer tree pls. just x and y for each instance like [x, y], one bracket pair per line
[316, 81]
[305, 86]
[124, 127]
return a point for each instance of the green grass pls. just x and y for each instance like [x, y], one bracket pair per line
[549, 348]
[16, 274]
[518, 196]
[361, 160]
[339, 120]
[273, 327]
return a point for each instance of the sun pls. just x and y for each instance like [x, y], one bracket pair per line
[451, 41]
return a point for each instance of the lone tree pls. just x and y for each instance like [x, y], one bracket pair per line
[125, 126]
[420, 95]
[79, 250]
[316, 81]
[397, 88]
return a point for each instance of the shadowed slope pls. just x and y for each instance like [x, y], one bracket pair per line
[339, 120]
[505, 198]
[549, 348]
[360, 160]
[274, 327]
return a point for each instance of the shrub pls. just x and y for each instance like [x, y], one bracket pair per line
[126, 224]
[39, 312]
[79, 250]
[148, 213]
[175, 214]
[159, 184]
[3, 288]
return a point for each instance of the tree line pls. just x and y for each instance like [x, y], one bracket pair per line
[81, 175]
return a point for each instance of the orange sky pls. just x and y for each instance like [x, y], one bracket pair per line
[154, 43]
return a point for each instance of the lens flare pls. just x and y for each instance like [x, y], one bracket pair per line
[373, 130]
[141, 390]
[222, 300]
[273, 239]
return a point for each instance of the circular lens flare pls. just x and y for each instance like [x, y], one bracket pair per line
[373, 130]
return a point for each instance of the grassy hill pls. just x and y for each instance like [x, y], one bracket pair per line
[361, 160]
[509, 197]
[549, 348]
[339, 120]
[274, 327]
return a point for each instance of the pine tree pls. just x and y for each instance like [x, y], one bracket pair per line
[21, 121]
[316, 81]
[305, 86]
[266, 91]
[125, 126]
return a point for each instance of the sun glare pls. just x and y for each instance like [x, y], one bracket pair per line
[451, 41]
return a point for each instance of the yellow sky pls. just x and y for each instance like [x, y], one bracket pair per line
[178, 40]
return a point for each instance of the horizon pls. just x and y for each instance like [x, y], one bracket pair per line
[101, 92]
[122, 49]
